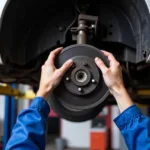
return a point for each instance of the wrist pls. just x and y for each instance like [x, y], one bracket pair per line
[44, 93]
[122, 98]
[118, 90]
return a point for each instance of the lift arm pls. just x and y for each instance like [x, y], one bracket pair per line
[6, 89]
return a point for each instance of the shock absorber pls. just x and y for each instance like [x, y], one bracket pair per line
[87, 26]
[82, 32]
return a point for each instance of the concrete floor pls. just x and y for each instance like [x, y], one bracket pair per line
[51, 144]
[52, 147]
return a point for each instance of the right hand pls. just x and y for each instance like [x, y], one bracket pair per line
[112, 75]
[50, 75]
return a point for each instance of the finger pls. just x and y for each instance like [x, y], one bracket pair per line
[109, 55]
[101, 65]
[111, 58]
[43, 67]
[52, 56]
[66, 66]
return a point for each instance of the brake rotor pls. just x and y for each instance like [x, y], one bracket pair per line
[82, 87]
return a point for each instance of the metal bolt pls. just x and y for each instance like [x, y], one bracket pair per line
[80, 89]
[93, 81]
[93, 26]
[67, 79]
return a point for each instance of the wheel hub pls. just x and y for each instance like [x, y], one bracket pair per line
[82, 87]
[78, 79]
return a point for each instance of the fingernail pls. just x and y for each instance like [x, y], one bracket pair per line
[70, 61]
[96, 59]
[60, 48]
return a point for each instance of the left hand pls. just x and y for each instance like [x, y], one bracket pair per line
[50, 75]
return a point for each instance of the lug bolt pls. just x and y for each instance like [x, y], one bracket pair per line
[80, 89]
[93, 26]
[93, 81]
[67, 79]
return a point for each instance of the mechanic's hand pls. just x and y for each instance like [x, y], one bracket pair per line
[112, 75]
[50, 75]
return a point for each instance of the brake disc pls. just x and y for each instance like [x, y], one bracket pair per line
[83, 87]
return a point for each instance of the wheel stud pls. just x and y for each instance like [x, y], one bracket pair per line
[93, 81]
[80, 89]
[67, 79]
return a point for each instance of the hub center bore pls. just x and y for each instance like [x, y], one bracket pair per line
[81, 76]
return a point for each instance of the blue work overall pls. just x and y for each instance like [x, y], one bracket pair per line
[29, 131]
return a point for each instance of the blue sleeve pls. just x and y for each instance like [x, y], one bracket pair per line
[134, 128]
[29, 131]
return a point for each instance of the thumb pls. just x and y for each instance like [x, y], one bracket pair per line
[66, 66]
[101, 65]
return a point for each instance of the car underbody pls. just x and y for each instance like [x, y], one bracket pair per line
[31, 29]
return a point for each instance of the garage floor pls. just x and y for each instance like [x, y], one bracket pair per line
[52, 147]
[51, 144]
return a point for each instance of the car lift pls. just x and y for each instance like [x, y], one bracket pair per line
[8, 90]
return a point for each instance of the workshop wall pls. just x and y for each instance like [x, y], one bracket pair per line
[23, 103]
[76, 134]
[115, 133]
[2, 104]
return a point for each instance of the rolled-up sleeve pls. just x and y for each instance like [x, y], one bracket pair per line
[134, 127]
[29, 131]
